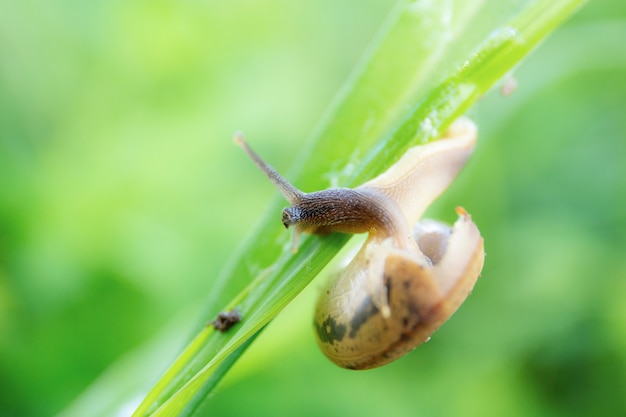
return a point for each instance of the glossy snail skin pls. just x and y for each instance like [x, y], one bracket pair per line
[406, 280]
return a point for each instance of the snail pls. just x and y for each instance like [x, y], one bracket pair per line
[406, 280]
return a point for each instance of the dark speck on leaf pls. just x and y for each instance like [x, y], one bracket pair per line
[226, 320]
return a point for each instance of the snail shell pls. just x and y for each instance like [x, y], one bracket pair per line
[420, 293]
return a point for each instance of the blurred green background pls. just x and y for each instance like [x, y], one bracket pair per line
[122, 196]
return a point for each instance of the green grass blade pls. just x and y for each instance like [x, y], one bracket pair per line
[398, 99]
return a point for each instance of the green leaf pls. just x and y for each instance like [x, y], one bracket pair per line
[431, 61]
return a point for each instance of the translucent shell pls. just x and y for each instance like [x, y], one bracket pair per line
[422, 291]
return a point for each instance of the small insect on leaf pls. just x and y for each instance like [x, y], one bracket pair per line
[226, 320]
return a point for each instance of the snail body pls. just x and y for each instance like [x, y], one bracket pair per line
[405, 281]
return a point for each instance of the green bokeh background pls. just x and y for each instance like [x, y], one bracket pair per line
[121, 197]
